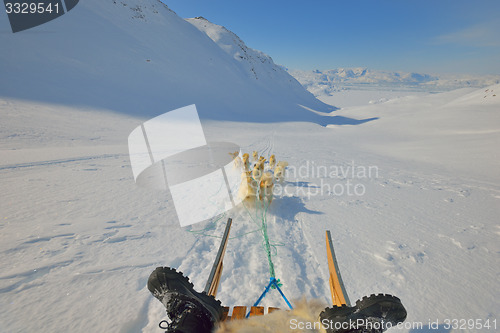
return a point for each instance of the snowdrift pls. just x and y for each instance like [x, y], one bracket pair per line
[458, 130]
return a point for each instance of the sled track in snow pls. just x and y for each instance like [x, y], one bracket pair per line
[59, 161]
[309, 278]
[265, 146]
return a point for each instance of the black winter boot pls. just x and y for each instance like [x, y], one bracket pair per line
[373, 314]
[189, 310]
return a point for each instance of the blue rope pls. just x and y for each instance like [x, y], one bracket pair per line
[272, 283]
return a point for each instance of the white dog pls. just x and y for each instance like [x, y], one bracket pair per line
[255, 156]
[256, 173]
[248, 188]
[272, 162]
[279, 171]
[266, 188]
[237, 163]
[246, 162]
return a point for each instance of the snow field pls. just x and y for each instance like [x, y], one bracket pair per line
[78, 238]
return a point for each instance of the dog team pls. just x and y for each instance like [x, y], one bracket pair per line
[258, 177]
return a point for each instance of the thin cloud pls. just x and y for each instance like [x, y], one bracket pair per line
[480, 35]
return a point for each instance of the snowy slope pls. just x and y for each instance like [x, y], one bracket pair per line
[258, 65]
[138, 57]
[459, 129]
[79, 239]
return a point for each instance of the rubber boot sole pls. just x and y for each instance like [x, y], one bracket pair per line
[387, 307]
[374, 313]
[171, 287]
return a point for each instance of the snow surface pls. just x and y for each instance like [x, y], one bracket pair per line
[79, 239]
[356, 97]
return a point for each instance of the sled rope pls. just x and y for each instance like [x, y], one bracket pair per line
[261, 209]
[273, 282]
[267, 245]
[261, 221]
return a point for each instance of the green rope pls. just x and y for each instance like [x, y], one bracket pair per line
[260, 220]
[259, 224]
[211, 226]
[267, 244]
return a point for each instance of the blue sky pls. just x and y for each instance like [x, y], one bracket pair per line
[439, 36]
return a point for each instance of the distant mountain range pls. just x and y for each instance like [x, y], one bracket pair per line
[328, 81]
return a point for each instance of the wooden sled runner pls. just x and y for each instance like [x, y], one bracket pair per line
[337, 288]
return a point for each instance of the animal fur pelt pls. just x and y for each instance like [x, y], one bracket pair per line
[303, 318]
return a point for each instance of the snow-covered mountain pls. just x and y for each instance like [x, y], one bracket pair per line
[138, 57]
[328, 81]
[256, 64]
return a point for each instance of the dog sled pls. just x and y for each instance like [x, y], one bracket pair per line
[337, 288]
